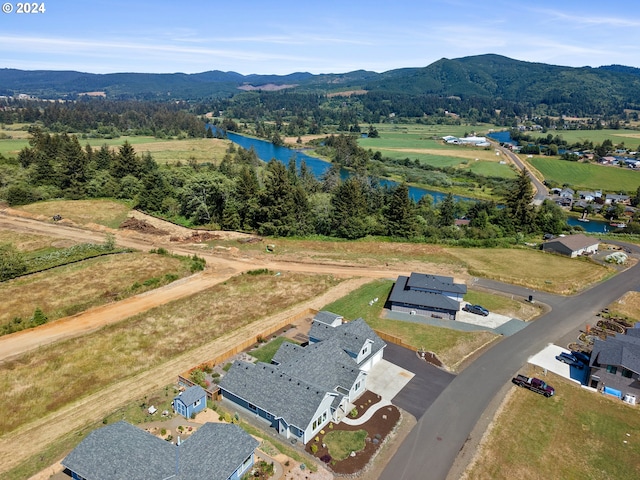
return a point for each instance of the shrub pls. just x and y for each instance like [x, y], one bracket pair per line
[163, 431]
[314, 448]
[326, 458]
[353, 413]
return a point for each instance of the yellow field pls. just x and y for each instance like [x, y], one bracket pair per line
[171, 151]
[109, 213]
[532, 268]
[627, 306]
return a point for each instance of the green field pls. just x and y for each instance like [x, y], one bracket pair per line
[631, 138]
[585, 176]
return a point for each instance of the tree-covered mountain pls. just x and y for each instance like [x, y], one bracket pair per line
[566, 90]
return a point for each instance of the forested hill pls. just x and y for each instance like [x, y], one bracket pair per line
[587, 90]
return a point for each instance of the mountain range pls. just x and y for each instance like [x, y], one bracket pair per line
[488, 76]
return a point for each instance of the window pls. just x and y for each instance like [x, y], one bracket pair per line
[357, 387]
[627, 373]
[253, 408]
[197, 402]
[612, 369]
[268, 416]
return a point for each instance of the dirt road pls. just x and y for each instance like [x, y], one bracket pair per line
[36, 436]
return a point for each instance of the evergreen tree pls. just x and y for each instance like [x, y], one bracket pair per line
[518, 204]
[349, 210]
[246, 192]
[153, 193]
[447, 211]
[401, 214]
[72, 168]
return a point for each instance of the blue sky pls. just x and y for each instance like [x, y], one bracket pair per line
[280, 37]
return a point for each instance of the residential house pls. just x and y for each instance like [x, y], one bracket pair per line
[572, 245]
[121, 451]
[190, 402]
[615, 364]
[567, 193]
[422, 294]
[307, 387]
[586, 195]
[613, 198]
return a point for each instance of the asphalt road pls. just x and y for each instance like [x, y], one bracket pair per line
[431, 448]
[541, 190]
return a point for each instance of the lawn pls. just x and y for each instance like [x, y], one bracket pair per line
[107, 212]
[53, 376]
[342, 443]
[627, 306]
[171, 151]
[449, 345]
[587, 176]
[266, 352]
[575, 434]
[551, 273]
[631, 138]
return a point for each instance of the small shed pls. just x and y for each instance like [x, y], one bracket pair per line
[191, 401]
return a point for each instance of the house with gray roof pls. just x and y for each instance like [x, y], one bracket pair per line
[190, 402]
[615, 363]
[329, 318]
[121, 451]
[304, 388]
[423, 294]
[572, 245]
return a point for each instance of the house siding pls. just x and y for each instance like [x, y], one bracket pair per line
[258, 412]
[187, 410]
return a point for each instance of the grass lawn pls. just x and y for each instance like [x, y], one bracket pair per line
[266, 352]
[449, 345]
[170, 151]
[631, 138]
[110, 213]
[342, 443]
[587, 176]
[575, 434]
[44, 380]
[551, 273]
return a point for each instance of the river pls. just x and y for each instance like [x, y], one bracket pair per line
[267, 150]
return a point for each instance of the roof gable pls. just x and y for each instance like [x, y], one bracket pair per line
[191, 395]
[351, 336]
[438, 283]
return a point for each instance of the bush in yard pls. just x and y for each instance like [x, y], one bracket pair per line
[353, 413]
[314, 448]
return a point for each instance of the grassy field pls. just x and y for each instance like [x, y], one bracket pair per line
[586, 176]
[267, 351]
[551, 273]
[107, 212]
[575, 434]
[449, 345]
[627, 306]
[631, 138]
[51, 377]
[73, 288]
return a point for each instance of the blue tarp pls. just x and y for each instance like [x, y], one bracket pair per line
[613, 392]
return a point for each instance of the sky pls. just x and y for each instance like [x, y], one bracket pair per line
[281, 37]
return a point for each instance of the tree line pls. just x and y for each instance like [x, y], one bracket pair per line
[242, 193]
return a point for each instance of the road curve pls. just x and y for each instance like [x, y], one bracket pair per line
[434, 443]
[541, 190]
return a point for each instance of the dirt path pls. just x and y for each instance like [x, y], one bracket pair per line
[36, 436]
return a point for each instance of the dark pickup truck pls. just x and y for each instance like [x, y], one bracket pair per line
[534, 384]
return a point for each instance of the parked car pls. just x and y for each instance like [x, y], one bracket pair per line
[477, 309]
[569, 360]
[581, 357]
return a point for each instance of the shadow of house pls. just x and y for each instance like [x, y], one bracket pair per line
[120, 451]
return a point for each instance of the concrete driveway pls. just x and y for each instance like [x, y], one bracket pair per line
[546, 358]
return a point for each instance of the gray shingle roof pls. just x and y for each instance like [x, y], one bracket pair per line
[351, 335]
[286, 351]
[619, 350]
[400, 294]
[224, 445]
[327, 317]
[277, 392]
[435, 282]
[573, 242]
[192, 394]
[122, 451]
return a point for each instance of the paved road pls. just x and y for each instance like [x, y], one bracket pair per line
[434, 443]
[541, 190]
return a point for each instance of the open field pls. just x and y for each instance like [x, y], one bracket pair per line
[627, 306]
[574, 434]
[587, 176]
[73, 288]
[171, 151]
[550, 273]
[26, 243]
[107, 212]
[449, 345]
[631, 138]
[53, 376]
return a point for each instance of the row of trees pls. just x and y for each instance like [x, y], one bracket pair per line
[243, 193]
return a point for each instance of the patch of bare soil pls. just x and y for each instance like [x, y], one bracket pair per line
[141, 226]
[378, 428]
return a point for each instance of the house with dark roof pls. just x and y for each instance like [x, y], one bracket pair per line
[572, 245]
[615, 363]
[121, 451]
[304, 388]
[329, 318]
[190, 402]
[423, 294]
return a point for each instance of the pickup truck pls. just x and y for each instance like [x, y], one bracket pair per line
[534, 384]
